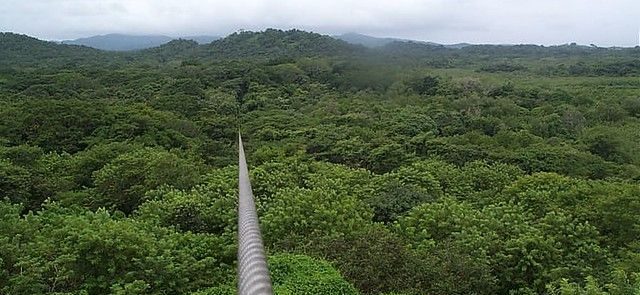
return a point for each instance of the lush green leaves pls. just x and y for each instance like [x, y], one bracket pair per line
[411, 168]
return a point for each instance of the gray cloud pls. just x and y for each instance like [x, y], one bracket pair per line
[603, 22]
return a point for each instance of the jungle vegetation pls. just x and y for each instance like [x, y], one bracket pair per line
[402, 169]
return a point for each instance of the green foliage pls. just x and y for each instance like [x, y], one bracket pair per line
[425, 86]
[392, 199]
[364, 257]
[122, 183]
[86, 162]
[14, 182]
[437, 221]
[622, 284]
[611, 143]
[29, 176]
[301, 215]
[412, 168]
[207, 208]
[520, 251]
[502, 67]
[70, 251]
[609, 206]
[297, 274]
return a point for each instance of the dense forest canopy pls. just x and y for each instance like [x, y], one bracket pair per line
[407, 168]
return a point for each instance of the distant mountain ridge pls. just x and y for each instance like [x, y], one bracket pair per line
[373, 42]
[122, 42]
[267, 45]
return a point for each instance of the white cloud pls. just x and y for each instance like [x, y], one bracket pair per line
[606, 23]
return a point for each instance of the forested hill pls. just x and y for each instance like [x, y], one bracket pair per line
[25, 51]
[402, 169]
[257, 46]
[120, 42]
[275, 43]
[564, 60]
[14, 46]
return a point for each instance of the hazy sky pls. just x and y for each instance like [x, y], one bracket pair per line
[602, 22]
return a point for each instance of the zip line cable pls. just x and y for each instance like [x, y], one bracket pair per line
[253, 274]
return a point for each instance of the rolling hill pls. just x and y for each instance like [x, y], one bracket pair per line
[373, 42]
[121, 42]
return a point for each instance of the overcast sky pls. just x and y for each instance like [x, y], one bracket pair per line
[602, 22]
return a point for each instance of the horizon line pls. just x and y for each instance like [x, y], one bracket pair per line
[400, 39]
